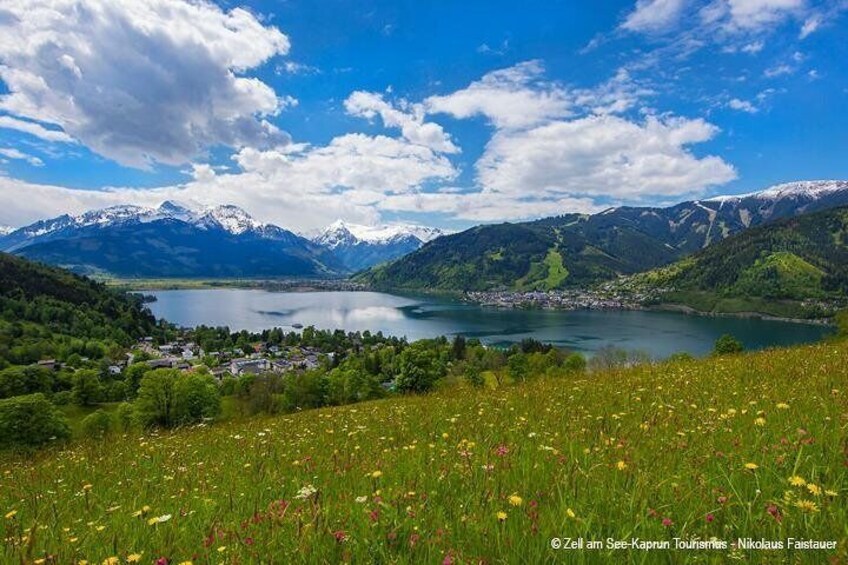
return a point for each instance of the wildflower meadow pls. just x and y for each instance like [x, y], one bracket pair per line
[740, 446]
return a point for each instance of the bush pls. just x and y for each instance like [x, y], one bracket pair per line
[574, 363]
[30, 420]
[124, 417]
[727, 345]
[97, 424]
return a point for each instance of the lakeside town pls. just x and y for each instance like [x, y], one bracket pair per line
[605, 297]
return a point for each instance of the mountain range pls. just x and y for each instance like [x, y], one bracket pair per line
[173, 240]
[581, 249]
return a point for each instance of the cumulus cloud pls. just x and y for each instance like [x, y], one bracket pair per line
[297, 186]
[408, 117]
[138, 82]
[603, 156]
[749, 14]
[653, 15]
[742, 106]
[514, 97]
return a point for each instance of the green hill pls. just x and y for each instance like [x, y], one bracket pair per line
[555, 253]
[788, 261]
[46, 312]
[746, 446]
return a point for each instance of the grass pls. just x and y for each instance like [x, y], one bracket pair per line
[710, 302]
[685, 449]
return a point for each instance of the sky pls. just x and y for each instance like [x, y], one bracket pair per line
[441, 113]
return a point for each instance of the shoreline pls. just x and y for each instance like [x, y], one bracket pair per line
[345, 285]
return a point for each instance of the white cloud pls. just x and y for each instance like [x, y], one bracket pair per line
[509, 98]
[35, 129]
[752, 14]
[742, 106]
[297, 186]
[602, 156]
[158, 80]
[653, 15]
[778, 70]
[11, 153]
[811, 24]
[409, 118]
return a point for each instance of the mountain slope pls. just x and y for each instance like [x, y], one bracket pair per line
[791, 259]
[171, 241]
[47, 312]
[598, 247]
[359, 247]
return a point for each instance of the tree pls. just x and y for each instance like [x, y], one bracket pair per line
[17, 381]
[727, 345]
[195, 398]
[87, 389]
[518, 366]
[420, 366]
[168, 398]
[30, 420]
[155, 400]
[132, 377]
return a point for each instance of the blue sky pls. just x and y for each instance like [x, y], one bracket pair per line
[442, 113]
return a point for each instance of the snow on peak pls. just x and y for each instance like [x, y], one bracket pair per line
[799, 189]
[344, 233]
[231, 218]
[6, 230]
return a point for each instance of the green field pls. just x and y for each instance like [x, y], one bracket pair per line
[740, 446]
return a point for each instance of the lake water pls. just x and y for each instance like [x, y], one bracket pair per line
[658, 333]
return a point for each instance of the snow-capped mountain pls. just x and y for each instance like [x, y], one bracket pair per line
[171, 240]
[6, 230]
[358, 247]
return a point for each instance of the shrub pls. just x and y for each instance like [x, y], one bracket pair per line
[574, 363]
[97, 424]
[30, 420]
[727, 345]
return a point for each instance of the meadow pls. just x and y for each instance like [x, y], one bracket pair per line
[740, 446]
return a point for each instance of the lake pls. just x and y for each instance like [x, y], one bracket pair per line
[416, 317]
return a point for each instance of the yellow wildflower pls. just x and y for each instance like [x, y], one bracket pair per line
[782, 406]
[222, 549]
[570, 513]
[621, 465]
[134, 558]
[814, 489]
[807, 506]
[501, 516]
[515, 500]
[11, 514]
[376, 474]
[797, 481]
[760, 421]
[752, 466]
[111, 561]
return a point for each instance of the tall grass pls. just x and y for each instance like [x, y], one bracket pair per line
[743, 446]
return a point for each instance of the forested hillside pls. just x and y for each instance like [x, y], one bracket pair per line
[795, 259]
[47, 312]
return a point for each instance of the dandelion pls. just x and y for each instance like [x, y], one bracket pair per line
[222, 548]
[11, 514]
[515, 500]
[621, 465]
[815, 490]
[501, 515]
[760, 421]
[751, 466]
[807, 506]
[111, 561]
[570, 513]
[376, 474]
[134, 558]
[782, 406]
[797, 481]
